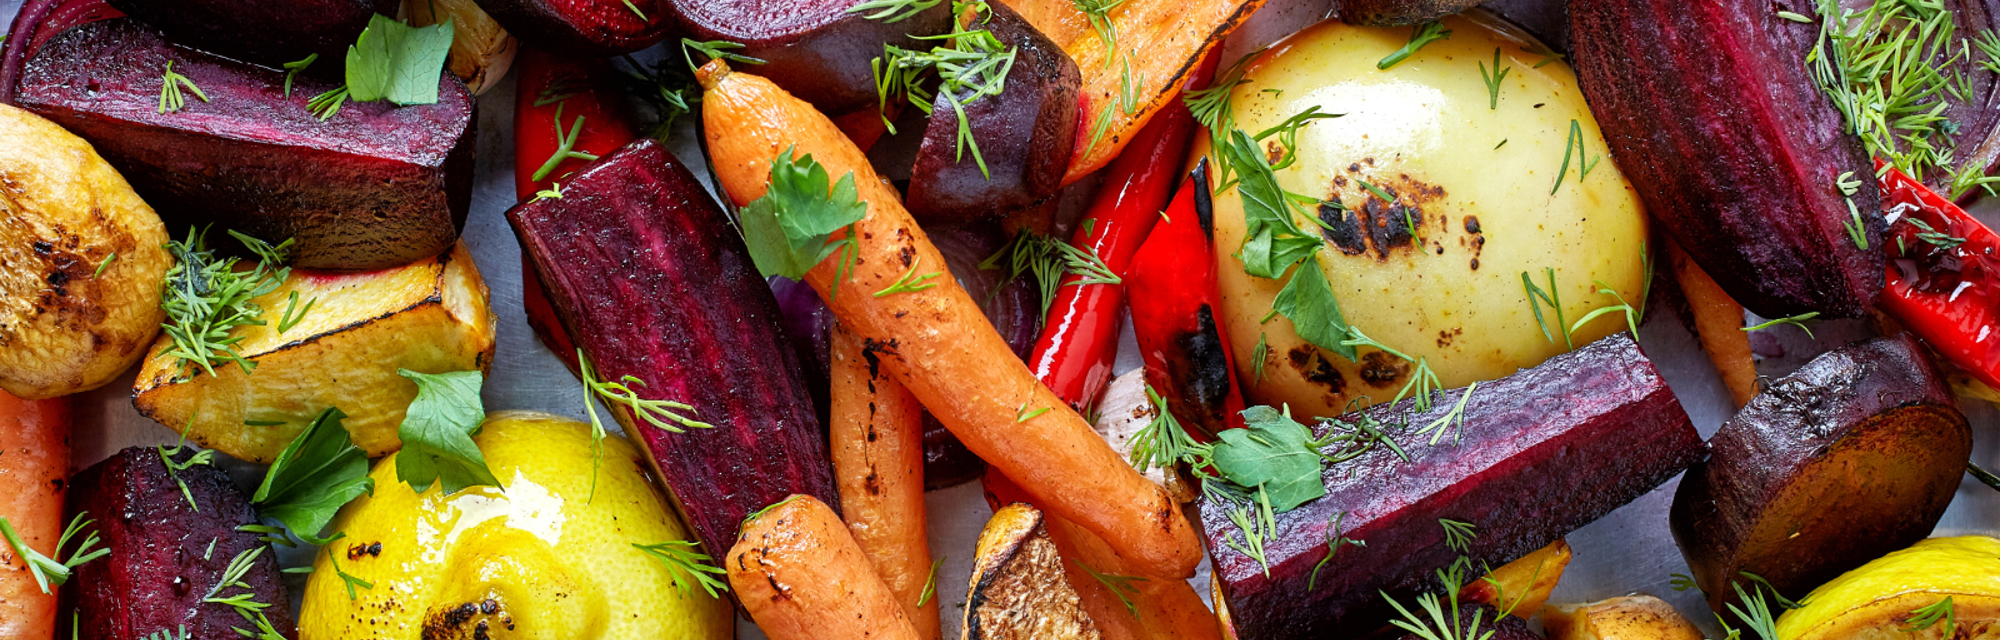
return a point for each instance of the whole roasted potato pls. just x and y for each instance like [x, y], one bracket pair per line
[1498, 179]
[81, 260]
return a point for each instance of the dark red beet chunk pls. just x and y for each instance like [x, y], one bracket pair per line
[815, 49]
[1026, 134]
[649, 277]
[584, 27]
[375, 186]
[268, 33]
[166, 555]
[1543, 452]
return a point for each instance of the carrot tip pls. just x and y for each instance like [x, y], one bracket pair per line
[711, 74]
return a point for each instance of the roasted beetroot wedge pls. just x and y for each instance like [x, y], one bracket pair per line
[1746, 172]
[172, 535]
[374, 186]
[267, 33]
[649, 277]
[584, 27]
[1024, 135]
[1852, 456]
[816, 49]
[1539, 454]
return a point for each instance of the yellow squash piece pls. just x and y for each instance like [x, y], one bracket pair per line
[429, 317]
[1634, 617]
[1019, 590]
[1879, 600]
[541, 559]
[81, 261]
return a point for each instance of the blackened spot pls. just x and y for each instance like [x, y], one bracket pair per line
[1342, 228]
[1472, 224]
[480, 633]
[1475, 264]
[1206, 371]
[1448, 336]
[1539, 105]
[1391, 223]
[906, 254]
[874, 363]
[1381, 370]
[489, 606]
[43, 247]
[1204, 207]
[873, 483]
[58, 279]
[1306, 359]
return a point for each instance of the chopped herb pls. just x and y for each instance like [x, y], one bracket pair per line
[1273, 241]
[162, 634]
[289, 319]
[1891, 67]
[893, 11]
[554, 191]
[1288, 134]
[293, 68]
[1548, 55]
[1794, 17]
[969, 63]
[1584, 161]
[1756, 610]
[930, 582]
[437, 433]
[714, 50]
[48, 571]
[1162, 443]
[681, 557]
[662, 414]
[635, 10]
[1493, 82]
[1444, 621]
[1983, 476]
[1681, 582]
[1503, 142]
[787, 229]
[318, 473]
[1127, 101]
[345, 578]
[1631, 313]
[265, 533]
[1931, 236]
[1926, 617]
[206, 299]
[1251, 514]
[171, 83]
[1454, 419]
[104, 264]
[1551, 296]
[174, 469]
[1796, 321]
[910, 282]
[1457, 535]
[1421, 34]
[325, 105]
[1120, 586]
[565, 147]
[1423, 381]
[1261, 354]
[1334, 541]
[1211, 108]
[1098, 12]
[1049, 261]
[1022, 414]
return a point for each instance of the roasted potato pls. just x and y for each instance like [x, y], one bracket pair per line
[81, 261]
[481, 51]
[1019, 590]
[1634, 617]
[1474, 166]
[430, 317]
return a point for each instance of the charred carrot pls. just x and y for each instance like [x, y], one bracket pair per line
[876, 431]
[934, 338]
[1174, 318]
[34, 461]
[1718, 324]
[801, 576]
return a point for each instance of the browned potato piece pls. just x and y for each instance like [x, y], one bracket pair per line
[1634, 617]
[1390, 13]
[65, 324]
[481, 51]
[1018, 588]
[1525, 584]
[430, 317]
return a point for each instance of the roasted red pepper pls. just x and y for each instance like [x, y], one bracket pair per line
[1078, 342]
[566, 111]
[1944, 276]
[1174, 301]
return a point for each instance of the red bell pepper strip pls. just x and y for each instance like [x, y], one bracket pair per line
[1074, 353]
[1174, 301]
[1944, 276]
[566, 112]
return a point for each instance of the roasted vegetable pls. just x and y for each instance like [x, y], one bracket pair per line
[1718, 324]
[1019, 587]
[1854, 455]
[1617, 433]
[1391, 13]
[985, 155]
[1944, 284]
[178, 558]
[584, 27]
[801, 577]
[1521, 587]
[1937, 588]
[1503, 264]
[652, 281]
[1175, 321]
[81, 258]
[374, 186]
[568, 547]
[1756, 174]
[266, 33]
[1490, 625]
[34, 468]
[876, 432]
[481, 51]
[818, 50]
[338, 344]
[1634, 617]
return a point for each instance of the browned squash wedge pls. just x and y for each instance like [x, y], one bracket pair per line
[429, 317]
[1019, 590]
[1523, 585]
[1633, 617]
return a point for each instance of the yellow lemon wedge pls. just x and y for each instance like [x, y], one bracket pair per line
[1901, 596]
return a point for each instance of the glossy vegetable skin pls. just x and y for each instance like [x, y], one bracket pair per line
[876, 432]
[816, 49]
[937, 341]
[1743, 173]
[652, 281]
[1617, 433]
[1882, 599]
[160, 536]
[1943, 279]
[1175, 303]
[802, 577]
[34, 468]
[1854, 455]
[584, 27]
[1634, 617]
[266, 33]
[375, 186]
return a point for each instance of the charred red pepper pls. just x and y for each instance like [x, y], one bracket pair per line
[1944, 276]
[566, 112]
[1174, 301]
[1078, 342]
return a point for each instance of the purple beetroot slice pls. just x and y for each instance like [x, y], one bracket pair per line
[266, 33]
[816, 49]
[584, 27]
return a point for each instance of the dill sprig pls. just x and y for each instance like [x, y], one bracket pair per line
[893, 11]
[1162, 443]
[1796, 321]
[1098, 12]
[1443, 620]
[1584, 161]
[346, 579]
[662, 414]
[206, 299]
[171, 83]
[1631, 312]
[325, 105]
[1127, 101]
[1120, 586]
[174, 469]
[1493, 80]
[47, 570]
[1927, 617]
[1251, 514]
[1421, 34]
[930, 582]
[968, 64]
[565, 146]
[1334, 541]
[910, 282]
[293, 68]
[681, 558]
[1423, 381]
[1048, 261]
[1551, 296]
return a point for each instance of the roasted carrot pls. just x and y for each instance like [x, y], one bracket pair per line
[936, 341]
[877, 434]
[34, 461]
[801, 576]
[1718, 323]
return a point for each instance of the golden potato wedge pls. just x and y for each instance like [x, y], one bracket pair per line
[481, 51]
[1018, 589]
[81, 261]
[1524, 584]
[1634, 617]
[430, 317]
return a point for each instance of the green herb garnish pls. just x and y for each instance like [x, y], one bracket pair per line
[104, 264]
[565, 147]
[1421, 34]
[969, 64]
[1457, 535]
[1308, 301]
[1162, 443]
[1098, 12]
[347, 579]
[1334, 541]
[318, 473]
[174, 469]
[206, 299]
[437, 433]
[1423, 381]
[1631, 313]
[1926, 617]
[910, 282]
[1796, 321]
[930, 582]
[1274, 454]
[1584, 161]
[293, 68]
[1120, 586]
[662, 414]
[1552, 297]
[635, 10]
[293, 313]
[171, 83]
[682, 558]
[47, 570]
[787, 229]
[893, 11]
[1493, 82]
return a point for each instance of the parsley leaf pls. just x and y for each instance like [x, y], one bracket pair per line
[1308, 301]
[397, 62]
[437, 433]
[1273, 240]
[1274, 453]
[317, 474]
[786, 230]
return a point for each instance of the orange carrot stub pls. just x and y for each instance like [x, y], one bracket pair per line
[877, 433]
[1718, 323]
[801, 576]
[34, 461]
[937, 342]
